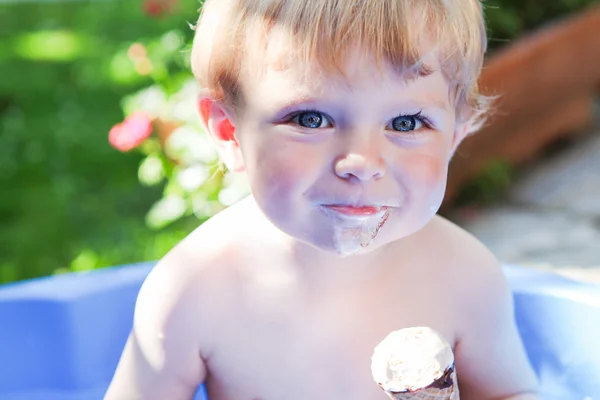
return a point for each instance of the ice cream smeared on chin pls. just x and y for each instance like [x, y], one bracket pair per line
[355, 227]
[415, 363]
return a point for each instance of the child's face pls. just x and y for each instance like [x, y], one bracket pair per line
[347, 165]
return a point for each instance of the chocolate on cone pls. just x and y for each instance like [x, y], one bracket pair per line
[415, 363]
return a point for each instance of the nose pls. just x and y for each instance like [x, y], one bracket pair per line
[360, 166]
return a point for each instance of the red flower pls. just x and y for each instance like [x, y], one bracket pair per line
[130, 133]
[158, 8]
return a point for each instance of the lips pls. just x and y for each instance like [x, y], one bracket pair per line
[356, 211]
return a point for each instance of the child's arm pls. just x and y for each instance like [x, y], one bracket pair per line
[490, 358]
[161, 359]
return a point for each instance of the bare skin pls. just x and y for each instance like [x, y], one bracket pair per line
[240, 306]
[285, 295]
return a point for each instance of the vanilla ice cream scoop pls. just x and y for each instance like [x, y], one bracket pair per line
[415, 363]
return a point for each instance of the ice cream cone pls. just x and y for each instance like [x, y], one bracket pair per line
[415, 364]
[430, 393]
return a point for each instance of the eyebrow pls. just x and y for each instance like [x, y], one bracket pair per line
[299, 98]
[428, 101]
[420, 70]
[436, 102]
[295, 101]
[423, 70]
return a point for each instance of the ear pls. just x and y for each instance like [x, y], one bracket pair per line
[219, 124]
[461, 131]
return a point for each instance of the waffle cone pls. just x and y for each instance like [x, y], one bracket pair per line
[430, 392]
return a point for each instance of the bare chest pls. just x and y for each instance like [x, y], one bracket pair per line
[318, 349]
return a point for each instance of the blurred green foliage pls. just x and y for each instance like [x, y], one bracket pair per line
[69, 201]
[509, 19]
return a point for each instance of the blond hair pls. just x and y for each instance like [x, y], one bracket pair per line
[229, 32]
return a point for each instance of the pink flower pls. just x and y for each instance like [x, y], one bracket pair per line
[130, 133]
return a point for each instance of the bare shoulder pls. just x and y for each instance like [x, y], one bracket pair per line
[474, 276]
[475, 267]
[199, 267]
[178, 312]
[197, 276]
[456, 240]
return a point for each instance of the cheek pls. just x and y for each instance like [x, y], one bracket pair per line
[426, 171]
[283, 169]
[427, 182]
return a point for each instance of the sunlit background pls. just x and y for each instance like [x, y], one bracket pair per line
[102, 160]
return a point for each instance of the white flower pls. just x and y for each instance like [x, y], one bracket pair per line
[236, 187]
[172, 41]
[191, 146]
[166, 210]
[151, 171]
[152, 100]
[183, 104]
[191, 178]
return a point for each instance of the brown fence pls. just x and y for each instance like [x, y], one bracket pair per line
[547, 84]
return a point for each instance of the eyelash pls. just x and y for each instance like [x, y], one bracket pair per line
[418, 116]
[295, 114]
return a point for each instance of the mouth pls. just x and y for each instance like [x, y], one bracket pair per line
[356, 211]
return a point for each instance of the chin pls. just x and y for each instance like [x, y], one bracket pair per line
[355, 251]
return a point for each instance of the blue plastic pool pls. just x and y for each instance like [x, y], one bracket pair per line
[61, 337]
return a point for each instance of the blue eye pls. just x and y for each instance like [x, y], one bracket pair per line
[407, 123]
[311, 120]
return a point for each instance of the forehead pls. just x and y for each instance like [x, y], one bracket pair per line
[276, 48]
[278, 72]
